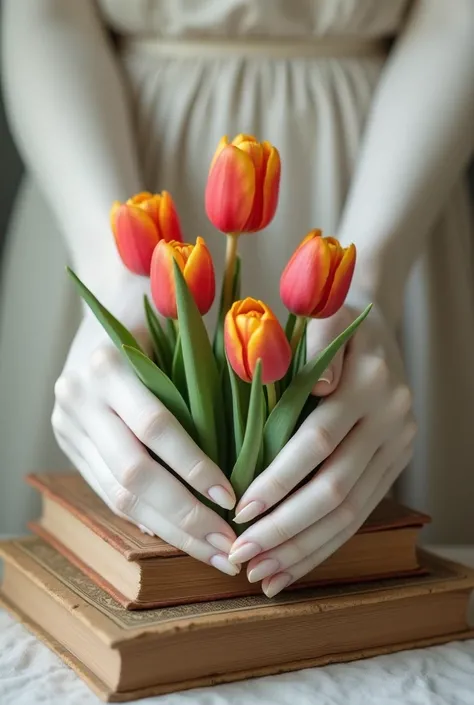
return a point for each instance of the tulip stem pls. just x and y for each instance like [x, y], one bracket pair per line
[298, 331]
[230, 259]
[271, 396]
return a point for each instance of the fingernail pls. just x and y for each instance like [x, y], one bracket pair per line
[221, 496]
[263, 570]
[245, 552]
[144, 530]
[276, 584]
[221, 563]
[327, 376]
[223, 543]
[249, 512]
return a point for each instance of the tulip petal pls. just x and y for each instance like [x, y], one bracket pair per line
[233, 346]
[151, 206]
[340, 285]
[113, 216]
[199, 275]
[270, 188]
[139, 198]
[223, 142]
[255, 152]
[237, 141]
[230, 190]
[162, 281]
[136, 237]
[269, 344]
[170, 226]
[304, 277]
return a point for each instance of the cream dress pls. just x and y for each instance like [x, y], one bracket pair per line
[191, 84]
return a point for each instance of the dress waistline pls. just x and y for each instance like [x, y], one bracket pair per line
[271, 48]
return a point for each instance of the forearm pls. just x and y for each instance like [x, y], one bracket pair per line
[418, 141]
[69, 113]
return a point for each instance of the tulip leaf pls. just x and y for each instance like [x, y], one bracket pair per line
[290, 326]
[177, 371]
[202, 378]
[117, 332]
[245, 466]
[284, 417]
[161, 386]
[299, 359]
[161, 344]
[218, 345]
[237, 418]
[171, 332]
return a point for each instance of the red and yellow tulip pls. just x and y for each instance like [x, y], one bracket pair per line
[243, 185]
[253, 332]
[317, 278]
[139, 224]
[195, 262]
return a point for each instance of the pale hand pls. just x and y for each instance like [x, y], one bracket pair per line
[104, 420]
[362, 433]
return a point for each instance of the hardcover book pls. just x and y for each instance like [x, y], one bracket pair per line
[125, 655]
[141, 571]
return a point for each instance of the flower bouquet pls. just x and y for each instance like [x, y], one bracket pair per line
[242, 394]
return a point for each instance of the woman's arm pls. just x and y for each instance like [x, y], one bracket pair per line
[69, 112]
[419, 139]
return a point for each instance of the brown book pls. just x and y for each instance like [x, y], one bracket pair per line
[141, 571]
[126, 655]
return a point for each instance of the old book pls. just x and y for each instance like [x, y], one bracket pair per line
[141, 571]
[125, 655]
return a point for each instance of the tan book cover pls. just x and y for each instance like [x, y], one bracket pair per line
[142, 571]
[125, 655]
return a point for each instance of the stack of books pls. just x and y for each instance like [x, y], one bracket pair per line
[135, 617]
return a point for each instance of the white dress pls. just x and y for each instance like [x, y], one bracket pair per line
[313, 108]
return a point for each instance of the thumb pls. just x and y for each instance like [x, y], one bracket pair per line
[320, 334]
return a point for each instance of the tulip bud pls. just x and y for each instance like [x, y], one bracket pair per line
[317, 278]
[243, 184]
[253, 332]
[139, 224]
[195, 262]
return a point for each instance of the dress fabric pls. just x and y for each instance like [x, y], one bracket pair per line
[314, 109]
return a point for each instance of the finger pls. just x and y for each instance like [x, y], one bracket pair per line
[157, 428]
[275, 583]
[320, 334]
[363, 384]
[177, 517]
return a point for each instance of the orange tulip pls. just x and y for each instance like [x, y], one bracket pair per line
[139, 224]
[195, 262]
[317, 278]
[253, 332]
[243, 184]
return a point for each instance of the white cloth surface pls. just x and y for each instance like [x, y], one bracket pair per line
[443, 675]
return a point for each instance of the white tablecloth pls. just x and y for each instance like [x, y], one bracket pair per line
[444, 675]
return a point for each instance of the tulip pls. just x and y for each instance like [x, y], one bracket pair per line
[139, 224]
[317, 278]
[252, 332]
[195, 262]
[243, 184]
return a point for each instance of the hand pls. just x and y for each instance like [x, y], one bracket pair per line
[362, 433]
[105, 419]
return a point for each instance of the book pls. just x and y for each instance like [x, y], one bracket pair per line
[141, 571]
[125, 655]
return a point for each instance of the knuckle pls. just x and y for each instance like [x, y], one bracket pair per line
[123, 501]
[184, 543]
[102, 361]
[281, 532]
[276, 486]
[133, 475]
[334, 493]
[152, 425]
[322, 439]
[378, 373]
[188, 518]
[196, 474]
[403, 399]
[347, 512]
[67, 389]
[410, 432]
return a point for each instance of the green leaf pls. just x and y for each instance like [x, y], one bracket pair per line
[218, 345]
[244, 468]
[115, 330]
[161, 344]
[171, 332]
[299, 359]
[290, 325]
[162, 387]
[284, 417]
[237, 418]
[178, 374]
[202, 378]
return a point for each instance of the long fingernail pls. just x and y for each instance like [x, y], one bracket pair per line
[249, 512]
[244, 553]
[277, 584]
[221, 496]
[220, 541]
[221, 563]
[263, 570]
[327, 376]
